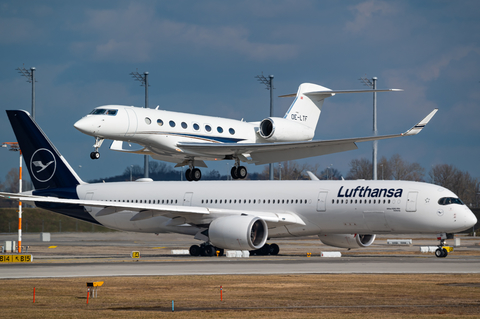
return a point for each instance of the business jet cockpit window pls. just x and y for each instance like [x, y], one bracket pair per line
[104, 112]
[449, 200]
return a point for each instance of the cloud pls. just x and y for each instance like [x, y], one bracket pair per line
[365, 14]
[136, 34]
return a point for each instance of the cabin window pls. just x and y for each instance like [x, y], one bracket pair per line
[196, 127]
[184, 125]
[231, 130]
[160, 122]
[219, 129]
[172, 123]
[208, 128]
[148, 120]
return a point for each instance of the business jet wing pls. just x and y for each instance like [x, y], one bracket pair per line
[146, 211]
[264, 153]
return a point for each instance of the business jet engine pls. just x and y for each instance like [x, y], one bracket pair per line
[347, 240]
[278, 129]
[240, 232]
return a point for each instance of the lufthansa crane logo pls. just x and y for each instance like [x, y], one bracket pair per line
[43, 165]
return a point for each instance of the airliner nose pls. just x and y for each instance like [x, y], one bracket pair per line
[470, 219]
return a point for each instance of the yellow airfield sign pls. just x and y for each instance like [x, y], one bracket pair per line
[16, 258]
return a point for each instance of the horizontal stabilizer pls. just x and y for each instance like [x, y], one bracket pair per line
[333, 92]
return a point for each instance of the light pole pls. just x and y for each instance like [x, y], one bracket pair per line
[143, 79]
[329, 167]
[131, 167]
[13, 146]
[373, 84]
[269, 84]
[30, 75]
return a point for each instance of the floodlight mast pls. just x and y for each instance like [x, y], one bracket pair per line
[30, 75]
[143, 79]
[269, 86]
[373, 84]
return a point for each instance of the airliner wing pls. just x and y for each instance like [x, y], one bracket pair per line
[146, 211]
[263, 153]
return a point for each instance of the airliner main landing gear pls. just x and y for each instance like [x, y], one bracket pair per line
[238, 172]
[205, 249]
[98, 143]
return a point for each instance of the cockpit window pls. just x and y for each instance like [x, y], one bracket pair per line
[450, 200]
[104, 112]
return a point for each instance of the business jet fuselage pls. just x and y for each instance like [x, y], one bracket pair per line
[243, 215]
[191, 139]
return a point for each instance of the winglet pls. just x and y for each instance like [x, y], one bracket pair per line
[417, 128]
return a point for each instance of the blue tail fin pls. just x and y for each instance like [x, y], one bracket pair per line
[47, 167]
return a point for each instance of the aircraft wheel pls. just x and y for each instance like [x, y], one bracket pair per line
[439, 252]
[196, 174]
[242, 172]
[274, 249]
[188, 175]
[194, 250]
[209, 250]
[265, 250]
[94, 155]
[445, 253]
[233, 172]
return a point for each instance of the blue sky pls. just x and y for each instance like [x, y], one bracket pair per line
[202, 57]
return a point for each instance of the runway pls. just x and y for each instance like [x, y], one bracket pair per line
[102, 255]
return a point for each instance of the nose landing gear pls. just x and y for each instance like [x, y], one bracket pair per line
[238, 172]
[95, 154]
[442, 250]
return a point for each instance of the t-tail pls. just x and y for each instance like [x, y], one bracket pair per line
[307, 106]
[47, 167]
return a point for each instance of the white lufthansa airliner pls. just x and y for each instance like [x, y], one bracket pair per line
[245, 214]
[190, 139]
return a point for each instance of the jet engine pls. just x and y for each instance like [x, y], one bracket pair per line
[278, 129]
[347, 240]
[240, 232]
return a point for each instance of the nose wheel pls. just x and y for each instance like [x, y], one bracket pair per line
[238, 172]
[95, 154]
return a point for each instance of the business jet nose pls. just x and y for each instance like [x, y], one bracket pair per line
[84, 125]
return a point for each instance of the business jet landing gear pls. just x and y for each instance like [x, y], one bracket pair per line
[238, 172]
[98, 143]
[192, 173]
[205, 249]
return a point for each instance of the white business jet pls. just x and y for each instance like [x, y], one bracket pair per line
[190, 139]
[245, 214]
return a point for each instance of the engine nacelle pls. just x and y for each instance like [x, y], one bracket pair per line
[347, 240]
[240, 232]
[278, 129]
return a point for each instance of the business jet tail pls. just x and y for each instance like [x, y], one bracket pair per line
[307, 106]
[46, 166]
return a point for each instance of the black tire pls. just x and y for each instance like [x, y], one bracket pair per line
[196, 174]
[194, 250]
[233, 172]
[265, 250]
[242, 172]
[188, 175]
[209, 250]
[445, 253]
[439, 252]
[94, 155]
[274, 249]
